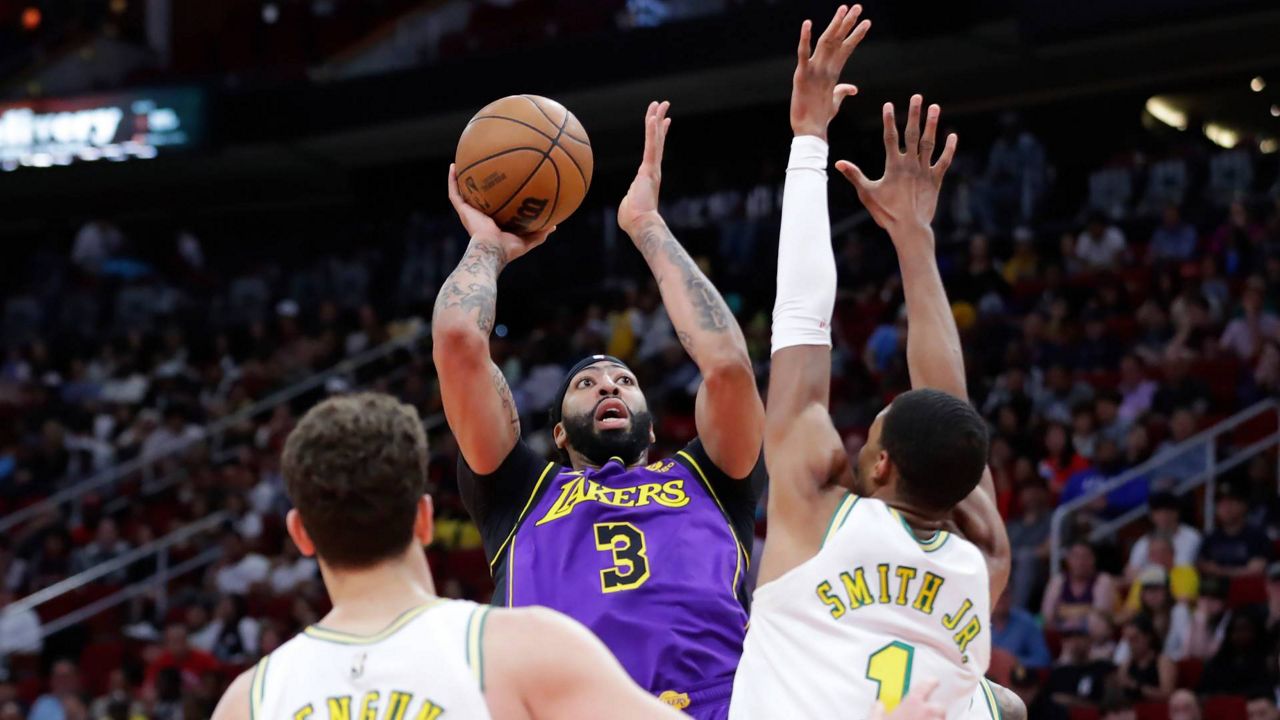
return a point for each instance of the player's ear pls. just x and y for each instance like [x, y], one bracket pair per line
[424, 524]
[559, 436]
[882, 469]
[293, 523]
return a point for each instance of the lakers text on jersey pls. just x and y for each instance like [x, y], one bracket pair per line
[876, 607]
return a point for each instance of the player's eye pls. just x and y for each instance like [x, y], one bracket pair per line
[624, 380]
[584, 383]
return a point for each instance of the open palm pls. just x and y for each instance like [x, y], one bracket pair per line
[642, 197]
[908, 192]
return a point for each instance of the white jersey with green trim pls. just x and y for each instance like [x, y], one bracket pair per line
[426, 665]
[875, 611]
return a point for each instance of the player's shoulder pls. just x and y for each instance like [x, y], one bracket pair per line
[235, 702]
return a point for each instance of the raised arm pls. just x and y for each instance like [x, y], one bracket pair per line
[477, 401]
[903, 202]
[804, 453]
[728, 412]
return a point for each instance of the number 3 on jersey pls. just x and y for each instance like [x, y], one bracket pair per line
[890, 669]
[630, 564]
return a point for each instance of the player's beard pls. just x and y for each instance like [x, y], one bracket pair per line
[597, 446]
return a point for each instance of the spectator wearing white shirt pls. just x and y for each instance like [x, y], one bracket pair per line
[1246, 334]
[247, 522]
[107, 545]
[1165, 521]
[1101, 246]
[239, 570]
[19, 629]
[231, 636]
[291, 570]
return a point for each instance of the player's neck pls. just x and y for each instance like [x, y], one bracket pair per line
[580, 462]
[923, 523]
[365, 601]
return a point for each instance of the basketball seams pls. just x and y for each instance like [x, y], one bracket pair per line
[586, 183]
[555, 203]
[546, 154]
[567, 115]
[464, 170]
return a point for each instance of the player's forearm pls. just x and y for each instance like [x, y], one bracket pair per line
[467, 302]
[703, 323]
[934, 356]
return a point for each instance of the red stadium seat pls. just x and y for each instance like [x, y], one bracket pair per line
[1189, 672]
[1152, 711]
[1001, 666]
[1053, 639]
[1248, 590]
[1084, 712]
[96, 663]
[1225, 707]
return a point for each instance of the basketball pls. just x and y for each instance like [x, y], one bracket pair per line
[525, 161]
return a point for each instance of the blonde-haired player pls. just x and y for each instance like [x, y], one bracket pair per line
[863, 596]
[355, 468]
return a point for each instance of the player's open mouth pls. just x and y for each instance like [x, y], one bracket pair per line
[612, 414]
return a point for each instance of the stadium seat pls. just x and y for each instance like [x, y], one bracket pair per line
[1084, 712]
[97, 660]
[1001, 665]
[1224, 707]
[1152, 711]
[1189, 672]
[1248, 590]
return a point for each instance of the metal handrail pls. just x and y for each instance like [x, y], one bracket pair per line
[155, 547]
[111, 475]
[1206, 438]
[125, 594]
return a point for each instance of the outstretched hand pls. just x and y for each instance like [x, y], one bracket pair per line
[915, 707]
[815, 94]
[907, 195]
[483, 229]
[642, 197]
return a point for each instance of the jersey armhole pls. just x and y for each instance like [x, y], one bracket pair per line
[475, 643]
[992, 705]
[839, 516]
[258, 688]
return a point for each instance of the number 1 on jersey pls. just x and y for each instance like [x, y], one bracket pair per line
[890, 669]
[630, 564]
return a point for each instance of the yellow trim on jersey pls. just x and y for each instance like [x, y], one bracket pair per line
[475, 643]
[342, 638]
[257, 689]
[838, 518]
[493, 563]
[990, 695]
[937, 540]
[742, 552]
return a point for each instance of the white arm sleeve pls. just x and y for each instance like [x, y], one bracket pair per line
[806, 263]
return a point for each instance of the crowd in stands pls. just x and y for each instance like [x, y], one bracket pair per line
[1097, 342]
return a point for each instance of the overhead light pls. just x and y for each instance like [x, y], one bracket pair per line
[1166, 113]
[1258, 84]
[1221, 135]
[1269, 146]
[270, 13]
[1275, 111]
[31, 18]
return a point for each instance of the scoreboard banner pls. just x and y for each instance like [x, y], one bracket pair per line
[119, 126]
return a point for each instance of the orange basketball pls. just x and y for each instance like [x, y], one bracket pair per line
[525, 161]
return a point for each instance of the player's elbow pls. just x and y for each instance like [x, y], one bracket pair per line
[729, 370]
[455, 341]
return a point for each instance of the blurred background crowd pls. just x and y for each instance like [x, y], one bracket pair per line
[1116, 281]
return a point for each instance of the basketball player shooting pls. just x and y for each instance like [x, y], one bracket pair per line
[872, 582]
[649, 553]
[355, 468]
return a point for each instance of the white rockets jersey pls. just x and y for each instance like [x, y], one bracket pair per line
[427, 665]
[874, 612]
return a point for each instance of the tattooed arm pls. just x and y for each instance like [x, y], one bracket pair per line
[477, 401]
[728, 413]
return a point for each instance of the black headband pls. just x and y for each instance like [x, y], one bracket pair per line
[557, 406]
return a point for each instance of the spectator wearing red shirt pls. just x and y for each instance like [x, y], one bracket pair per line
[1061, 459]
[178, 653]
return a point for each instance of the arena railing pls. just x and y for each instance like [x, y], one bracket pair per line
[1205, 442]
[75, 494]
[155, 586]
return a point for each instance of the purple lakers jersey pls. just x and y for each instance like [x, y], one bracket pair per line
[651, 559]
